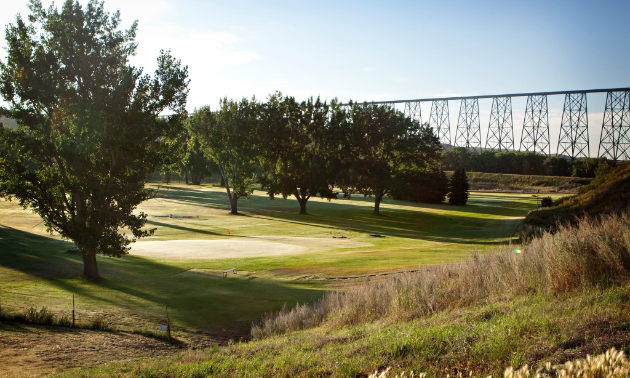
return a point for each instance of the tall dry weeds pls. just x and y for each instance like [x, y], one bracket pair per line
[612, 364]
[576, 256]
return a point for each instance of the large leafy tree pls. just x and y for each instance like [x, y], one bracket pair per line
[300, 149]
[385, 148]
[89, 133]
[188, 157]
[228, 137]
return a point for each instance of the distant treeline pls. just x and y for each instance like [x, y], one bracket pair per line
[521, 163]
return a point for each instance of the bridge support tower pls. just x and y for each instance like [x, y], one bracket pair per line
[614, 143]
[500, 128]
[573, 141]
[468, 133]
[413, 111]
[440, 121]
[535, 136]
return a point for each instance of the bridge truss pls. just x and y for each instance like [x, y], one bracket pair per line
[573, 141]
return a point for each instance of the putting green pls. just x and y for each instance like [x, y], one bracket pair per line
[237, 248]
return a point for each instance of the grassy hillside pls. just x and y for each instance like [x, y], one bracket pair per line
[525, 183]
[607, 194]
[551, 303]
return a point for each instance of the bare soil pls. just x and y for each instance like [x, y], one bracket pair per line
[28, 350]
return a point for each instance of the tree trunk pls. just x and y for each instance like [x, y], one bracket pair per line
[233, 205]
[377, 204]
[195, 178]
[302, 199]
[186, 174]
[302, 206]
[233, 199]
[90, 268]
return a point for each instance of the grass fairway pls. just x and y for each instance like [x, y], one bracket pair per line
[36, 270]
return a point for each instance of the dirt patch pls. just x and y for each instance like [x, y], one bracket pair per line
[261, 246]
[34, 351]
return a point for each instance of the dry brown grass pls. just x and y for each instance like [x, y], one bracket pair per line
[612, 364]
[591, 253]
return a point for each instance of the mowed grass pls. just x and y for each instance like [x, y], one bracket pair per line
[37, 271]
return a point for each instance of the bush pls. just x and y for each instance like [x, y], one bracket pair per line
[98, 322]
[459, 188]
[425, 187]
[64, 321]
[546, 202]
[42, 316]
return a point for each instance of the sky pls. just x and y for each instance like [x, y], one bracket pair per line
[389, 50]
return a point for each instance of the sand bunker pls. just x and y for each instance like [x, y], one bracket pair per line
[237, 248]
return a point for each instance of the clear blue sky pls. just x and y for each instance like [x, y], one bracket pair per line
[367, 50]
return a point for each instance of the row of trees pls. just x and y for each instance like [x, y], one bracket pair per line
[522, 163]
[314, 148]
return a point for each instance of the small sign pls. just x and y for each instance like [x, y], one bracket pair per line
[517, 250]
[163, 328]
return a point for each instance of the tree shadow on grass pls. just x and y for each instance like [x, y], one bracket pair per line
[183, 228]
[480, 222]
[136, 285]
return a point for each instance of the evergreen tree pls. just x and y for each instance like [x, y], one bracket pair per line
[459, 188]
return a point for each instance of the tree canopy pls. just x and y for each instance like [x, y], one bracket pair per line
[89, 132]
[228, 137]
[300, 149]
[384, 147]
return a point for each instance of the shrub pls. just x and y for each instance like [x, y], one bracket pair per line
[546, 202]
[64, 321]
[98, 322]
[42, 316]
[425, 187]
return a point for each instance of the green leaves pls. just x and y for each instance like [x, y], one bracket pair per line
[229, 137]
[383, 148]
[300, 149]
[89, 132]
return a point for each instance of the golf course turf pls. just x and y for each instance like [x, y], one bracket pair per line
[337, 239]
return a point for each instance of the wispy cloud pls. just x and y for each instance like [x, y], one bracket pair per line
[367, 69]
[132, 9]
[207, 49]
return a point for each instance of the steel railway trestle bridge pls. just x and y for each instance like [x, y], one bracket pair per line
[573, 141]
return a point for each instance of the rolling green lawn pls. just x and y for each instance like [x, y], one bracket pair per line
[36, 270]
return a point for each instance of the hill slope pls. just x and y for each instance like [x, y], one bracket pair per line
[607, 194]
[552, 302]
